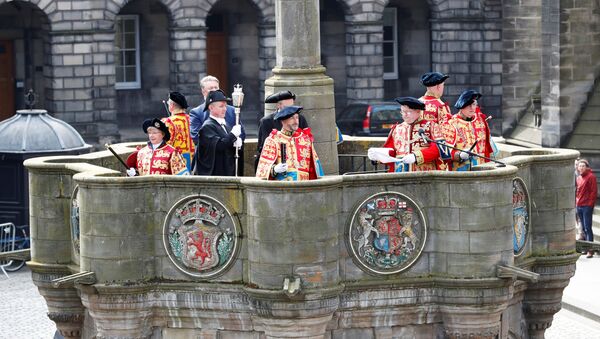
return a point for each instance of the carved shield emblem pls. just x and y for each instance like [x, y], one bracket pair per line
[75, 234]
[387, 233]
[200, 236]
[520, 202]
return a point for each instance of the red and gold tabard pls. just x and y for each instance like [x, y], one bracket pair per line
[301, 158]
[164, 160]
[181, 139]
[435, 109]
[404, 139]
[463, 134]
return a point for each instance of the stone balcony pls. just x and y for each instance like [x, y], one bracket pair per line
[480, 254]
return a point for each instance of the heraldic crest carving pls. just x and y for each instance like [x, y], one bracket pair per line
[200, 236]
[387, 233]
[520, 203]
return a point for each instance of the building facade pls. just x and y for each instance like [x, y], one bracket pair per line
[103, 66]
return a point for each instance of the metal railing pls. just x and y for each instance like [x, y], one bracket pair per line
[358, 164]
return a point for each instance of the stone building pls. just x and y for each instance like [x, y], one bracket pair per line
[105, 65]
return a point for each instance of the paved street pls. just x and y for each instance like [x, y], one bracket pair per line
[23, 310]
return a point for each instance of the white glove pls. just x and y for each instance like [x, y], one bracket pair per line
[236, 130]
[131, 172]
[463, 155]
[238, 143]
[409, 159]
[280, 168]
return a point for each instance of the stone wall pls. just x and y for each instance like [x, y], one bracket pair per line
[302, 231]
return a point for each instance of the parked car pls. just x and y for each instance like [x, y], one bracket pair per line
[369, 119]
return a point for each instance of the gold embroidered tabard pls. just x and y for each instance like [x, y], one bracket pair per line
[181, 140]
[301, 157]
[163, 160]
[435, 109]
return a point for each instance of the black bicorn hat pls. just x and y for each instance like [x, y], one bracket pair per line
[287, 112]
[157, 123]
[276, 97]
[179, 99]
[466, 98]
[214, 96]
[433, 78]
[411, 102]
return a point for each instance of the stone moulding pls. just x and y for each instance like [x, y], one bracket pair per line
[292, 231]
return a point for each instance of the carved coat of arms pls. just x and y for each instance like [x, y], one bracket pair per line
[520, 203]
[200, 236]
[387, 233]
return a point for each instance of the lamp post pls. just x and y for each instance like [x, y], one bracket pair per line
[238, 99]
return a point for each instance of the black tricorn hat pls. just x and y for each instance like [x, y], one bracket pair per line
[276, 97]
[214, 96]
[466, 98]
[157, 123]
[179, 99]
[287, 112]
[433, 78]
[411, 102]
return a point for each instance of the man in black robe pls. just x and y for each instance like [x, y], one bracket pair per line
[268, 123]
[215, 154]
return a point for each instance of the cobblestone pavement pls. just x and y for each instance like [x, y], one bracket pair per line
[22, 308]
[23, 313]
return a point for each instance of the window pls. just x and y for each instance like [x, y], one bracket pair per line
[127, 52]
[390, 44]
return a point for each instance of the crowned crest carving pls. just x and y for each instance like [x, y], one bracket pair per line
[200, 236]
[387, 233]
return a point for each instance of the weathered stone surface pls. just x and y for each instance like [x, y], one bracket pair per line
[300, 230]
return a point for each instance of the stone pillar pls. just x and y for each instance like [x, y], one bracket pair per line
[188, 60]
[298, 68]
[543, 299]
[286, 239]
[364, 61]
[266, 55]
[551, 73]
[521, 26]
[50, 193]
[75, 95]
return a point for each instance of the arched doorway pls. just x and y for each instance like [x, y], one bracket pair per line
[333, 48]
[142, 62]
[232, 51]
[23, 49]
[406, 47]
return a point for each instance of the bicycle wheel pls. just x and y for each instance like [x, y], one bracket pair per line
[11, 265]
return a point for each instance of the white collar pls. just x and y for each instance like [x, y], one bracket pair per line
[219, 120]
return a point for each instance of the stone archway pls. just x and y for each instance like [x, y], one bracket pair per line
[23, 47]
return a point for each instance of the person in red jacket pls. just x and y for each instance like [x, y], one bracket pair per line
[585, 198]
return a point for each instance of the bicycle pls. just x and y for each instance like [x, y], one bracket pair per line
[19, 235]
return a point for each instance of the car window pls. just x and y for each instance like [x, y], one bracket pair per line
[386, 113]
[354, 112]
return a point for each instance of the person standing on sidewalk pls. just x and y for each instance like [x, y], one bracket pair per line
[585, 199]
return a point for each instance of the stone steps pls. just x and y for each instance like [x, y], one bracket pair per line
[586, 134]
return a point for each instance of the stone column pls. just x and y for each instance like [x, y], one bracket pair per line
[551, 73]
[266, 55]
[364, 61]
[81, 78]
[188, 60]
[298, 68]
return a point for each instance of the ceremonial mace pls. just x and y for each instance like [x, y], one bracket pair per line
[238, 99]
